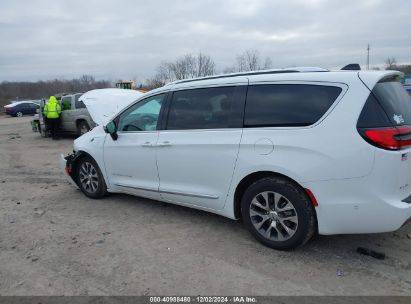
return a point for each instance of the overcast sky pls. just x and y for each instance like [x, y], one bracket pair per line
[46, 39]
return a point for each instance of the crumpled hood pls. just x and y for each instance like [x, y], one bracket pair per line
[103, 104]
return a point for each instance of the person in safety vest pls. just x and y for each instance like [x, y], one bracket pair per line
[52, 111]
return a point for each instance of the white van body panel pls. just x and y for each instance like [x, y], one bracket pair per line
[203, 168]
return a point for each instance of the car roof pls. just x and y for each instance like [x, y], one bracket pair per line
[307, 74]
[71, 94]
[20, 102]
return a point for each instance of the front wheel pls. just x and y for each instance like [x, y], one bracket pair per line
[89, 178]
[278, 213]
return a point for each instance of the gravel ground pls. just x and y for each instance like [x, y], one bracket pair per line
[55, 241]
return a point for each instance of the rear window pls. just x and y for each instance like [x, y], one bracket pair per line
[79, 103]
[288, 104]
[394, 100]
[373, 115]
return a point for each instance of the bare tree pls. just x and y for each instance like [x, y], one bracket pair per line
[252, 60]
[191, 66]
[390, 63]
[87, 80]
[165, 72]
[249, 61]
[153, 83]
[268, 63]
[185, 67]
[205, 65]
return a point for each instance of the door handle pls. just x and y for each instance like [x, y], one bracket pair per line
[147, 144]
[164, 144]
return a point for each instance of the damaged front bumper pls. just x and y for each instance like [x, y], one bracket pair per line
[66, 164]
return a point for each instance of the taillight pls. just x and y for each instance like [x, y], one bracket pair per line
[388, 138]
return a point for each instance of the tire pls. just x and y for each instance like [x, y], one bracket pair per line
[89, 178]
[19, 114]
[82, 128]
[287, 221]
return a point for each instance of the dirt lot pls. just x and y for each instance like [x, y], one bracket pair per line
[55, 241]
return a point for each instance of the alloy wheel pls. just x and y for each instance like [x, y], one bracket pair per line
[88, 177]
[273, 216]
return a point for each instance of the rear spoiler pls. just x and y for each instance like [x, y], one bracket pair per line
[371, 78]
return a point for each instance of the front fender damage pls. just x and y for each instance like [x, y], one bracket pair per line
[69, 163]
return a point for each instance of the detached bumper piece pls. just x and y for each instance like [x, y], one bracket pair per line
[67, 164]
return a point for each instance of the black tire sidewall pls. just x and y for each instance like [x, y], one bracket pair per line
[80, 125]
[300, 202]
[101, 189]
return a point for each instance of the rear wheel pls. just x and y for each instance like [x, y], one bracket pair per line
[278, 213]
[89, 178]
[19, 114]
[82, 128]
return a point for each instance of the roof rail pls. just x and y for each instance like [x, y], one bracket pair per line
[250, 73]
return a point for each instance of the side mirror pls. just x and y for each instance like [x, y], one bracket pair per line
[111, 129]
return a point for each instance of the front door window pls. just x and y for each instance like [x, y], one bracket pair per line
[143, 116]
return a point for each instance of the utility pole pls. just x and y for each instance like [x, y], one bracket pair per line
[368, 56]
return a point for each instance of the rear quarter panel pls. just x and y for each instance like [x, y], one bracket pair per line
[330, 149]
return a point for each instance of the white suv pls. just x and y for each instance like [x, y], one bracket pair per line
[291, 152]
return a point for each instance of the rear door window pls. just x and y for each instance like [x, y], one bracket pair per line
[277, 105]
[394, 100]
[205, 108]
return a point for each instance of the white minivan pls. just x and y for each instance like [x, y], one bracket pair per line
[291, 152]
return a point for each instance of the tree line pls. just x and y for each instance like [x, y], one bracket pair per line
[391, 64]
[183, 67]
[201, 65]
[12, 91]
